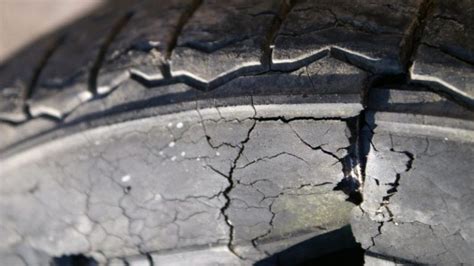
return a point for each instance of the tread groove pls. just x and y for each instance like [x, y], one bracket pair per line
[285, 8]
[183, 20]
[412, 40]
[41, 65]
[94, 72]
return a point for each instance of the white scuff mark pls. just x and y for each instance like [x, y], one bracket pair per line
[173, 158]
[183, 154]
[179, 125]
[126, 178]
[161, 153]
[103, 89]
[157, 197]
[171, 144]
[198, 159]
[154, 43]
[115, 54]
[170, 124]
[85, 96]
[218, 153]
[84, 225]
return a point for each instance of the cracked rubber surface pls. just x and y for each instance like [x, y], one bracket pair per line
[418, 179]
[158, 184]
[207, 132]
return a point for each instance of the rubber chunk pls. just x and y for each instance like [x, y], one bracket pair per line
[417, 192]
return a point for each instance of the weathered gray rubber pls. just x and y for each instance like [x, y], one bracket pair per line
[178, 181]
[216, 132]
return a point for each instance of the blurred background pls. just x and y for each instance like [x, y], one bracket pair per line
[23, 21]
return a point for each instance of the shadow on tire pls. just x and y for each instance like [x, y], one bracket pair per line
[337, 247]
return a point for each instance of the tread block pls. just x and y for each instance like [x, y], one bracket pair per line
[69, 68]
[16, 76]
[223, 37]
[142, 44]
[445, 57]
[366, 34]
[12, 104]
[73, 59]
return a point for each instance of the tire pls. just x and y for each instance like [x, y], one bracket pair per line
[245, 132]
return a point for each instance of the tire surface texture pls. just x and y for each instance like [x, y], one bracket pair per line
[233, 132]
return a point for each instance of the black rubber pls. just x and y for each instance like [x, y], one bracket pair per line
[242, 132]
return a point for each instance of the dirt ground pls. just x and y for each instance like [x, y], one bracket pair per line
[22, 21]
